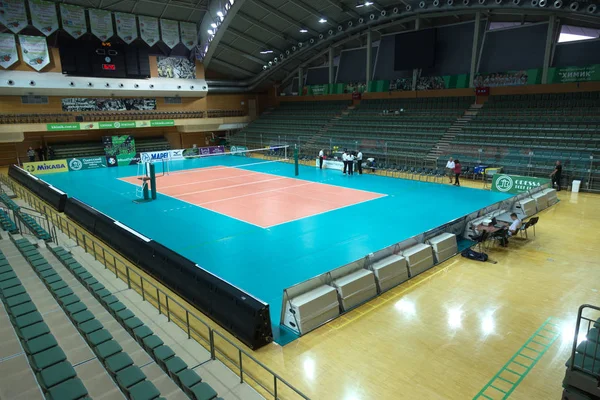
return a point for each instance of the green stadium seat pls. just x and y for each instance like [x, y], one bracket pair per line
[132, 323]
[144, 391]
[22, 309]
[203, 391]
[68, 300]
[98, 337]
[47, 358]
[91, 326]
[141, 333]
[130, 376]
[115, 308]
[17, 300]
[174, 365]
[152, 342]
[75, 308]
[28, 320]
[55, 375]
[72, 389]
[107, 349]
[125, 314]
[7, 275]
[13, 291]
[186, 379]
[118, 362]
[82, 316]
[162, 354]
[39, 344]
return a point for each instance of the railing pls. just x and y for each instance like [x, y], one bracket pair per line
[266, 382]
[588, 323]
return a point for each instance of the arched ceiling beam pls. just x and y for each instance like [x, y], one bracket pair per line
[245, 36]
[283, 16]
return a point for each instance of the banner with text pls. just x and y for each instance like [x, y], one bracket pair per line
[198, 151]
[148, 29]
[189, 34]
[34, 51]
[121, 148]
[46, 167]
[82, 163]
[126, 27]
[8, 50]
[169, 32]
[574, 74]
[73, 20]
[101, 23]
[515, 184]
[13, 15]
[43, 16]
[76, 126]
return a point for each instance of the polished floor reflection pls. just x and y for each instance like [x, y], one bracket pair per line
[445, 334]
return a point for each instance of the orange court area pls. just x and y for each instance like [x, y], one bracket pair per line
[260, 199]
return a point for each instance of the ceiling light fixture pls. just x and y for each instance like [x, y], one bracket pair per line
[368, 3]
[213, 25]
[266, 52]
[220, 14]
[210, 32]
[322, 20]
[303, 30]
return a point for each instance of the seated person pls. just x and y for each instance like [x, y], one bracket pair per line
[508, 230]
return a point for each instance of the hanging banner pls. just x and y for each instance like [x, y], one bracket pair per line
[126, 27]
[13, 15]
[189, 34]
[34, 51]
[8, 50]
[515, 184]
[101, 24]
[169, 32]
[73, 20]
[574, 74]
[148, 29]
[43, 16]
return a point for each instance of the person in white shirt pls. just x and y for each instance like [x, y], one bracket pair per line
[321, 155]
[359, 162]
[450, 168]
[345, 160]
[510, 230]
[350, 163]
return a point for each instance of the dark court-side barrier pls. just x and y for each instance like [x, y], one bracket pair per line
[50, 194]
[244, 316]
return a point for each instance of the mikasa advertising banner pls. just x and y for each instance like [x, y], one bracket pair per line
[46, 167]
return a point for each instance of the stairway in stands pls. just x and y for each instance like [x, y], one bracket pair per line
[443, 145]
[313, 142]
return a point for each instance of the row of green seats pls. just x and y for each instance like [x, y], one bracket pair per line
[55, 375]
[9, 202]
[586, 137]
[529, 144]
[131, 380]
[7, 223]
[33, 226]
[187, 379]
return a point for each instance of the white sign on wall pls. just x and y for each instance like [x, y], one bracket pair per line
[101, 24]
[8, 50]
[43, 16]
[169, 32]
[13, 15]
[73, 20]
[34, 51]
[148, 29]
[126, 27]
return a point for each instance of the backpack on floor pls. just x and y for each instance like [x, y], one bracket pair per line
[474, 255]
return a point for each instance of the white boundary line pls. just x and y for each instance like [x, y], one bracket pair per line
[326, 211]
[208, 180]
[219, 167]
[230, 186]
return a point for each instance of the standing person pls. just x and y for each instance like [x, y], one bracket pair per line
[350, 163]
[457, 172]
[450, 168]
[556, 175]
[359, 162]
[50, 153]
[345, 160]
[321, 155]
[40, 153]
[31, 154]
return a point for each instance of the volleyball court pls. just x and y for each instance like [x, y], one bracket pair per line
[228, 186]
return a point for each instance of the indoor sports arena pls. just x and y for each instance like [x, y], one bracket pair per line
[299, 200]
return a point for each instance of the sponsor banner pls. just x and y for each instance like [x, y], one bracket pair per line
[128, 159]
[76, 126]
[155, 156]
[46, 167]
[126, 27]
[148, 29]
[331, 164]
[169, 32]
[212, 150]
[8, 50]
[76, 104]
[101, 23]
[238, 150]
[34, 51]
[121, 148]
[189, 34]
[13, 15]
[111, 161]
[515, 184]
[175, 67]
[73, 20]
[43, 16]
[511, 78]
[574, 74]
[78, 164]
[176, 154]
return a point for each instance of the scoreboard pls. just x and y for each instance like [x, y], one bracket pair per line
[104, 60]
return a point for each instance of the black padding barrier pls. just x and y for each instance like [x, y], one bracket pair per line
[49, 194]
[241, 314]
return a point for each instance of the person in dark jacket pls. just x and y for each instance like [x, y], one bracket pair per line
[457, 172]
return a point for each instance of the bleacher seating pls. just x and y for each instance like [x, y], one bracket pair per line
[93, 116]
[187, 379]
[89, 149]
[289, 123]
[526, 134]
[7, 223]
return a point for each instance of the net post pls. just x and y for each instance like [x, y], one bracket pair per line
[153, 181]
[296, 159]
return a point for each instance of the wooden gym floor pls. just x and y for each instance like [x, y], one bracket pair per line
[447, 333]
